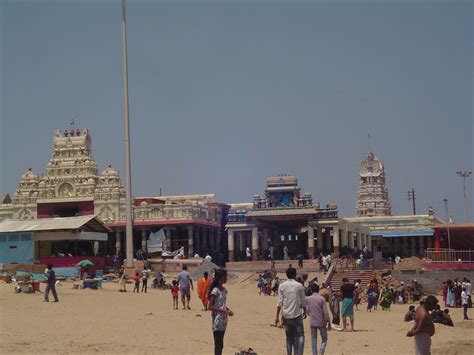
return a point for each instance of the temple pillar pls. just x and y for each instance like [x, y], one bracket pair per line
[190, 242]
[351, 239]
[342, 243]
[335, 240]
[254, 243]
[359, 240]
[218, 240]
[265, 240]
[422, 246]
[241, 243]
[118, 243]
[144, 243]
[319, 240]
[369, 242]
[211, 239]
[230, 244]
[327, 240]
[204, 245]
[412, 246]
[437, 239]
[197, 239]
[429, 243]
[168, 239]
[310, 242]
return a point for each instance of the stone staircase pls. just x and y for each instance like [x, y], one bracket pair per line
[336, 278]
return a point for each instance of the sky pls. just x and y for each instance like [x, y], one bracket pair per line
[226, 94]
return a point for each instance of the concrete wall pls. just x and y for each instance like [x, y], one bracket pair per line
[432, 280]
[16, 248]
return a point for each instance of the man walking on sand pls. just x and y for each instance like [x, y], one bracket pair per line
[51, 283]
[185, 286]
[424, 328]
[317, 310]
[292, 303]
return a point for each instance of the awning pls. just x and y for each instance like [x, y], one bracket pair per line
[402, 233]
[88, 223]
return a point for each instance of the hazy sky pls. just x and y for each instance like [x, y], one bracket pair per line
[224, 95]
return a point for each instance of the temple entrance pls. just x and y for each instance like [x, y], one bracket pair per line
[66, 212]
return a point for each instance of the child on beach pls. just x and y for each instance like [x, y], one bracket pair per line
[136, 279]
[174, 293]
[261, 284]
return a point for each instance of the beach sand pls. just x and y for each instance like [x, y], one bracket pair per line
[91, 321]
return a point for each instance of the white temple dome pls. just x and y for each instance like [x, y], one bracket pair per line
[109, 172]
[29, 176]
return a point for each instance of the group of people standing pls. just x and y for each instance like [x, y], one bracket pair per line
[297, 302]
[458, 294]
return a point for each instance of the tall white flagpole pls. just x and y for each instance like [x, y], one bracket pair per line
[128, 178]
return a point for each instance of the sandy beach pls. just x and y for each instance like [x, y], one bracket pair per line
[91, 321]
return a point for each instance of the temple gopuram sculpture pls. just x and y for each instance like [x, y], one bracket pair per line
[372, 195]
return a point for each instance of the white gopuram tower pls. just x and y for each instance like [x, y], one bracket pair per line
[372, 195]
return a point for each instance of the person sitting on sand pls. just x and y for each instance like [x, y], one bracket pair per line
[447, 319]
[410, 315]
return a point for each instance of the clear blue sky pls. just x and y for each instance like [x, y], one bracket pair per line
[224, 95]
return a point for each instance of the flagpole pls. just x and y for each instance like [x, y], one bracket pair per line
[128, 183]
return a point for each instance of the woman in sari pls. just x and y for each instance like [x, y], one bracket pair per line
[203, 289]
[386, 301]
[451, 294]
[334, 307]
[445, 294]
[372, 295]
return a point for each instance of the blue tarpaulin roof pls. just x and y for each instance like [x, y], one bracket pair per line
[403, 233]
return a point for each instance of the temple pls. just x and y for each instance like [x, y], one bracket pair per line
[286, 219]
[86, 209]
[372, 195]
[73, 187]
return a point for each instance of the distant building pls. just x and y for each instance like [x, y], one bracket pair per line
[286, 222]
[372, 195]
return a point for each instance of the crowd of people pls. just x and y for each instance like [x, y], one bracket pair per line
[327, 308]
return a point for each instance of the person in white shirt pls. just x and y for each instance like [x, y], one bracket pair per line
[465, 301]
[329, 259]
[208, 257]
[292, 304]
[467, 284]
[285, 253]
[325, 264]
[248, 254]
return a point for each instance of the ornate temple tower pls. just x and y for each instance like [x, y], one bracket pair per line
[71, 186]
[372, 195]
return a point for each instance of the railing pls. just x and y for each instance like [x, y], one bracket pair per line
[449, 256]
[347, 264]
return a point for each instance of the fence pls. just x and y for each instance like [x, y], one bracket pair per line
[347, 264]
[449, 255]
